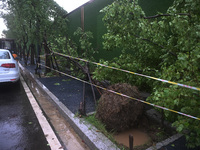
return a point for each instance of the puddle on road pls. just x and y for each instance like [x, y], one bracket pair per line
[140, 138]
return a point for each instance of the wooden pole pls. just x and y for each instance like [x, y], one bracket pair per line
[131, 142]
[82, 18]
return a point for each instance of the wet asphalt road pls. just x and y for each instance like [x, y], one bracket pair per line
[19, 127]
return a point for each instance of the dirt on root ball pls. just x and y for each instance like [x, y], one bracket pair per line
[119, 113]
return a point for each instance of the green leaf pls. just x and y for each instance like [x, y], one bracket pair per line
[172, 145]
[66, 80]
[56, 83]
[180, 128]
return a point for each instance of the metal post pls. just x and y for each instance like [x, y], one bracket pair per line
[131, 142]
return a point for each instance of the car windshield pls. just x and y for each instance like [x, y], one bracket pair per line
[4, 55]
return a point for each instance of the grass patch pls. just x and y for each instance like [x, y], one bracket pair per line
[100, 127]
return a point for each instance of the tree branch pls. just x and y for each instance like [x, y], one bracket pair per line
[164, 15]
[156, 44]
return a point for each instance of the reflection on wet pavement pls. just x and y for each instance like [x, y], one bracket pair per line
[19, 128]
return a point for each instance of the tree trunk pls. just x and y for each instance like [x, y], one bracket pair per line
[32, 54]
[47, 57]
[24, 53]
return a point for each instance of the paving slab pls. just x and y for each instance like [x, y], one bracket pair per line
[70, 92]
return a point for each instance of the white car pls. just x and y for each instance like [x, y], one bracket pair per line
[9, 68]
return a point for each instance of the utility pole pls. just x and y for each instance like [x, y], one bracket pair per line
[82, 18]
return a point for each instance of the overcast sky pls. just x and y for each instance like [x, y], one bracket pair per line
[68, 5]
[2, 26]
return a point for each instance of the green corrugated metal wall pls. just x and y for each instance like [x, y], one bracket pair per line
[93, 21]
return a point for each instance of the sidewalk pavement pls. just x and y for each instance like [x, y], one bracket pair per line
[69, 91]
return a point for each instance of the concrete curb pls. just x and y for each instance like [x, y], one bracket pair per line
[165, 142]
[89, 134]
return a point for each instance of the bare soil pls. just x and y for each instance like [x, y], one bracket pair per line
[118, 112]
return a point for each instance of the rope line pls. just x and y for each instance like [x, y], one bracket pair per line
[134, 73]
[142, 101]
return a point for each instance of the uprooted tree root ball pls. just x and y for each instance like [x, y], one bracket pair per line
[117, 112]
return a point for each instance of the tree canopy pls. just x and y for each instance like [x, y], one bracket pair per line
[34, 18]
[33, 24]
[33, 21]
[164, 46]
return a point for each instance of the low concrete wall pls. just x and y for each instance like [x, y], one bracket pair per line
[88, 133]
